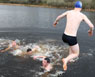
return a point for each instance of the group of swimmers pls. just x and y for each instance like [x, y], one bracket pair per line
[74, 18]
[15, 47]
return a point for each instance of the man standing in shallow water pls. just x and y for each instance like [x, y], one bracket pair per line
[74, 18]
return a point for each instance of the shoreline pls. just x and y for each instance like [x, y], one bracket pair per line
[42, 5]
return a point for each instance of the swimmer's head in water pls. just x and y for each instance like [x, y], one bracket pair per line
[78, 4]
[47, 59]
[14, 43]
[29, 49]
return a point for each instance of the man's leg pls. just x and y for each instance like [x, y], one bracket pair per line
[70, 52]
[74, 52]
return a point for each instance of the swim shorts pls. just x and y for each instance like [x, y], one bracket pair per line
[70, 40]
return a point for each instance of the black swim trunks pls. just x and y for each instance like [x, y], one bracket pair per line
[71, 40]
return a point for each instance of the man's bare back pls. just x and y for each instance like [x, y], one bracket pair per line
[73, 21]
[74, 18]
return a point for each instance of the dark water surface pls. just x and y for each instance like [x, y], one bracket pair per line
[34, 24]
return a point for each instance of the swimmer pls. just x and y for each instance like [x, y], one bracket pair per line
[74, 18]
[13, 45]
[29, 51]
[45, 62]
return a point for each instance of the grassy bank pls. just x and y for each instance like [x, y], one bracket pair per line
[67, 4]
[87, 4]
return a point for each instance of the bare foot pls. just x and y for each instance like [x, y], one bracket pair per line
[64, 64]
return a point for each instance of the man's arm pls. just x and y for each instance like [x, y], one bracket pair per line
[59, 17]
[90, 31]
[35, 57]
[6, 49]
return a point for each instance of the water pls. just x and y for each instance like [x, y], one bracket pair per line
[33, 26]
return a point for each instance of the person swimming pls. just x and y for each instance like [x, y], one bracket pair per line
[19, 52]
[13, 45]
[22, 52]
[45, 62]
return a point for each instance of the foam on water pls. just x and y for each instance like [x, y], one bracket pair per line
[46, 48]
[16, 52]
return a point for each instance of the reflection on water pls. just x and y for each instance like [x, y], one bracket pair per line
[14, 18]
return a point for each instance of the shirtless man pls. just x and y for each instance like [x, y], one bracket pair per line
[45, 62]
[74, 18]
[31, 51]
[13, 45]
[21, 51]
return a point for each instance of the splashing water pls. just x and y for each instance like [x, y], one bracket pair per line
[46, 48]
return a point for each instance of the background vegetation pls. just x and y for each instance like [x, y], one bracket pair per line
[87, 4]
